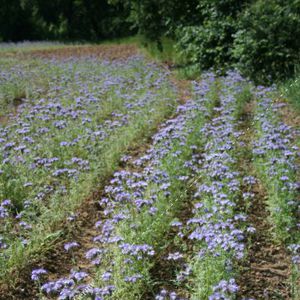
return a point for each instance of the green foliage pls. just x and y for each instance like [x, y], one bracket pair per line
[168, 53]
[209, 42]
[260, 38]
[155, 19]
[267, 43]
[214, 9]
[62, 19]
[208, 45]
[291, 90]
[16, 21]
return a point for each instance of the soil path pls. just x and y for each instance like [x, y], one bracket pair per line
[266, 269]
[109, 52]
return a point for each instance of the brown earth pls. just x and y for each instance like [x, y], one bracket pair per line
[266, 269]
[110, 52]
[289, 115]
[57, 261]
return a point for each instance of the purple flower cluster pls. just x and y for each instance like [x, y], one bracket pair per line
[37, 273]
[166, 295]
[70, 245]
[67, 288]
[275, 157]
[215, 228]
[224, 290]
[135, 196]
[58, 135]
[4, 208]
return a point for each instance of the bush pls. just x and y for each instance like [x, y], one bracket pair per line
[267, 44]
[208, 45]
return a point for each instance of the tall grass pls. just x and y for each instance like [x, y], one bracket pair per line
[167, 53]
[291, 90]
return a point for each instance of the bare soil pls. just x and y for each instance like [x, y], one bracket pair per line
[57, 261]
[266, 269]
[109, 52]
[289, 115]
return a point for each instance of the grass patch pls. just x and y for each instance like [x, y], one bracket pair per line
[291, 90]
[166, 52]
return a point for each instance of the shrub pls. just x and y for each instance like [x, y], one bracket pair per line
[208, 45]
[266, 46]
[209, 42]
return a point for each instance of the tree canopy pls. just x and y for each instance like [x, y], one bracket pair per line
[261, 38]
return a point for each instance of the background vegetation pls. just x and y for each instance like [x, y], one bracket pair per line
[260, 38]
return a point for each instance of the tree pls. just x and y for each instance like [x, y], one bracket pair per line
[16, 22]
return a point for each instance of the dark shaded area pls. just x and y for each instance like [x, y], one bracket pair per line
[89, 20]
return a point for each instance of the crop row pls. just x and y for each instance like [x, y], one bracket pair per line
[217, 228]
[150, 199]
[173, 221]
[57, 149]
[139, 208]
[276, 162]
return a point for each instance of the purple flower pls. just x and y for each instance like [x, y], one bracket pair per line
[92, 253]
[78, 275]
[70, 245]
[6, 202]
[174, 256]
[106, 276]
[133, 278]
[37, 273]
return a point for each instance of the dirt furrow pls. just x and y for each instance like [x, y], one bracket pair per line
[266, 269]
[164, 271]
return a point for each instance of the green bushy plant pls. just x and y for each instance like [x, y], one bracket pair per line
[267, 43]
[208, 45]
[209, 41]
